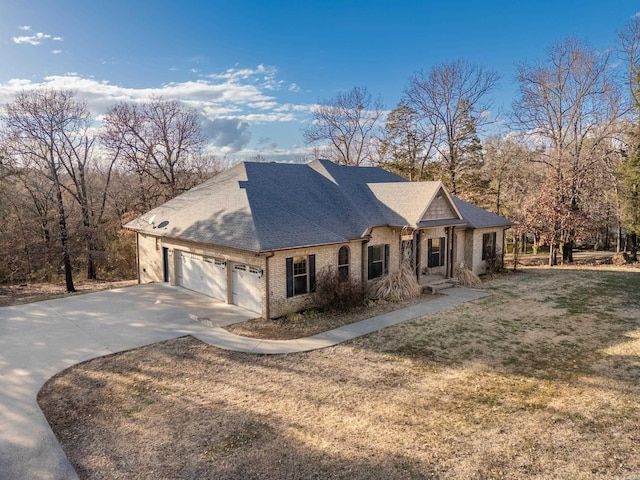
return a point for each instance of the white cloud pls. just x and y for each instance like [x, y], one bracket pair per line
[231, 103]
[56, 52]
[36, 39]
[294, 88]
[24, 28]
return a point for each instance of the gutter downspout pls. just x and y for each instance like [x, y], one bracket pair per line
[138, 255]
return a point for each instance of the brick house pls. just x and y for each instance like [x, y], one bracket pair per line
[256, 235]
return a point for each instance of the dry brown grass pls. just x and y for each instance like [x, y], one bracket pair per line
[540, 380]
[35, 292]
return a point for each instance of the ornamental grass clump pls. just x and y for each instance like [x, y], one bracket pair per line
[396, 287]
[467, 278]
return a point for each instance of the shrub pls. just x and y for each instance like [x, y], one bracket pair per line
[495, 263]
[397, 286]
[467, 278]
[336, 292]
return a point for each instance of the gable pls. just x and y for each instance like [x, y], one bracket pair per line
[440, 208]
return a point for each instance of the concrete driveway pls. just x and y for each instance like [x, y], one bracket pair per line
[40, 339]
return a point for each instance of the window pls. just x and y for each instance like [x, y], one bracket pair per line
[488, 245]
[435, 252]
[343, 262]
[301, 275]
[378, 256]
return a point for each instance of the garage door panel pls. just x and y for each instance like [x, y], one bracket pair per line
[247, 291]
[202, 274]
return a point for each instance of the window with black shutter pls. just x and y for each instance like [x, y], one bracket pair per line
[301, 275]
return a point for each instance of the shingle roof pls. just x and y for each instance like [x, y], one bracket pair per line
[272, 206]
[477, 217]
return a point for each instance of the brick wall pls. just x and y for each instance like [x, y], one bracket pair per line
[149, 259]
[326, 256]
[479, 266]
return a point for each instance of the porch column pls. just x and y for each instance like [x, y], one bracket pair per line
[450, 251]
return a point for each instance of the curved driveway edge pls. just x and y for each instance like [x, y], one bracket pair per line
[38, 340]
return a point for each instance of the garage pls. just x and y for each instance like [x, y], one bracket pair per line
[203, 274]
[246, 287]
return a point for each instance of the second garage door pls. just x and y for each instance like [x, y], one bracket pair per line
[203, 274]
[246, 287]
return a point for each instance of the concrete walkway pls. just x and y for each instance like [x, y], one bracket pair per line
[40, 339]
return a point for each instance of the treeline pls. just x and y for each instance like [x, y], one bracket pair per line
[563, 164]
[564, 167]
[67, 186]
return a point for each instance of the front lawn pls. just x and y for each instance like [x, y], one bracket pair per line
[539, 380]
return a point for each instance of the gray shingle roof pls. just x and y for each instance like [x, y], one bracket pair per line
[477, 217]
[272, 206]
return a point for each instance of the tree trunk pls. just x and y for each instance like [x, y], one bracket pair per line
[64, 238]
[553, 254]
[567, 252]
[633, 240]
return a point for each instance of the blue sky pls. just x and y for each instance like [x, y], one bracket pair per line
[254, 69]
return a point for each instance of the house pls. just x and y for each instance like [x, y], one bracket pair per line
[256, 235]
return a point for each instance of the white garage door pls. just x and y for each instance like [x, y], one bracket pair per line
[203, 274]
[246, 287]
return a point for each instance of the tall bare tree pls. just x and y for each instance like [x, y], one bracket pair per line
[39, 126]
[157, 141]
[571, 105]
[452, 100]
[347, 125]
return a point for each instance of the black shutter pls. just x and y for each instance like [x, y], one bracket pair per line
[386, 258]
[289, 277]
[430, 253]
[312, 273]
[370, 262]
[443, 251]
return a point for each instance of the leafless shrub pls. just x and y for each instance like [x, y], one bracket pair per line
[336, 292]
[495, 263]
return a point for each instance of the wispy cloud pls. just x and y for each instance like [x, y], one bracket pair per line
[56, 52]
[35, 39]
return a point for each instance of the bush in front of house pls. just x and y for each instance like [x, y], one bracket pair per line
[336, 292]
[396, 287]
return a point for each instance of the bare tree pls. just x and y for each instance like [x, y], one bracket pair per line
[571, 105]
[452, 100]
[347, 124]
[156, 140]
[38, 126]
